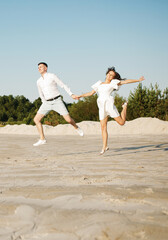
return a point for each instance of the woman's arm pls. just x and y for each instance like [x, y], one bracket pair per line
[87, 94]
[131, 81]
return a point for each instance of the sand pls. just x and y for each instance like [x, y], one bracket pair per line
[142, 126]
[65, 190]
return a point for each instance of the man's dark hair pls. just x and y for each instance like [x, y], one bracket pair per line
[43, 64]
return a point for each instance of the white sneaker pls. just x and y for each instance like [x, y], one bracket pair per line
[40, 142]
[80, 132]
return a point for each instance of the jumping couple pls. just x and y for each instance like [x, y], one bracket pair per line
[51, 100]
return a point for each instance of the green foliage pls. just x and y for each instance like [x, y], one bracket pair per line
[85, 109]
[17, 110]
[53, 119]
[118, 101]
[143, 102]
[148, 102]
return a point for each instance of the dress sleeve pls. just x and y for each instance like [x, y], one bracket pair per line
[115, 83]
[96, 85]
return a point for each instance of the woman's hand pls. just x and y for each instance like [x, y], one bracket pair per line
[141, 79]
[76, 97]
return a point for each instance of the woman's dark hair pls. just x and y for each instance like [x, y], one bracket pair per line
[117, 75]
[43, 64]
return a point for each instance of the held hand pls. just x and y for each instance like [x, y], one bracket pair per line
[141, 79]
[75, 97]
[78, 97]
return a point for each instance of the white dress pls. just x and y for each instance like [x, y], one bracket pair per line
[105, 100]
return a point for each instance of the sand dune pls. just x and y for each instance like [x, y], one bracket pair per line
[138, 126]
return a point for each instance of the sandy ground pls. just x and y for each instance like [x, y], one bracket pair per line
[64, 190]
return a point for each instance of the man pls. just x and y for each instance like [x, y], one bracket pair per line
[51, 100]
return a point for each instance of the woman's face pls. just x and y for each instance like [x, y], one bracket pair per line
[111, 75]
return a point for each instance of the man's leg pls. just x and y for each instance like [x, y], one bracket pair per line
[37, 120]
[72, 122]
[60, 108]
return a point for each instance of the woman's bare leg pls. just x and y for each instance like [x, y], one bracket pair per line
[104, 132]
[121, 119]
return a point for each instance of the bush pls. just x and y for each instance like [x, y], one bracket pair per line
[148, 102]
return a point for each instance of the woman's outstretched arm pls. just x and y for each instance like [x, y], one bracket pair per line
[87, 94]
[132, 81]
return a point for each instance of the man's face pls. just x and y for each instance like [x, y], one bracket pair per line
[42, 69]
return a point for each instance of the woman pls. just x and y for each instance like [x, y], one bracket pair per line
[106, 102]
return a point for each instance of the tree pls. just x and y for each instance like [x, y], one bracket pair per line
[118, 101]
[145, 102]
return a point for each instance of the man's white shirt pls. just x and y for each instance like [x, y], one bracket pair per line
[47, 86]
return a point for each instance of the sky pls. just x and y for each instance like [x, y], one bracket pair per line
[80, 39]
